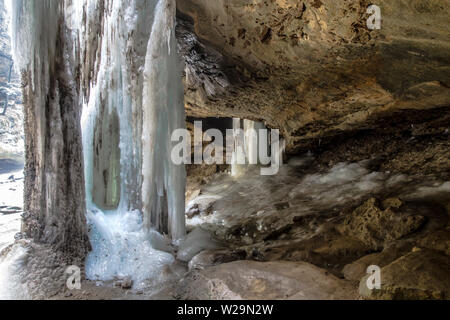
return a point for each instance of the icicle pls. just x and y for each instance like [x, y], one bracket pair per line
[145, 107]
[163, 185]
[153, 100]
[238, 156]
[251, 133]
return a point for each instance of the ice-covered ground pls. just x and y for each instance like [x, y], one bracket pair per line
[11, 264]
[260, 205]
[121, 248]
[11, 201]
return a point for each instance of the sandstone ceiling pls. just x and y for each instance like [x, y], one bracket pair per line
[313, 69]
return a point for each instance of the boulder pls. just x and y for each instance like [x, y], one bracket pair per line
[265, 280]
[421, 274]
[331, 252]
[358, 269]
[209, 258]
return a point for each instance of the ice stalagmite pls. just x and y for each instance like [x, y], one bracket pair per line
[163, 184]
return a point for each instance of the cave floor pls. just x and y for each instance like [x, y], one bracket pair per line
[306, 233]
[92, 290]
[340, 219]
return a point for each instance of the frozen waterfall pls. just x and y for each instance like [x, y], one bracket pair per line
[124, 55]
[133, 191]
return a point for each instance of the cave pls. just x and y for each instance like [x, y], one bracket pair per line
[332, 181]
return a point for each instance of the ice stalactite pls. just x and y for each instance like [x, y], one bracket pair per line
[137, 93]
[238, 155]
[163, 186]
[114, 104]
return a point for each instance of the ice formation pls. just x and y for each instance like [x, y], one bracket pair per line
[253, 144]
[11, 264]
[258, 200]
[164, 183]
[125, 53]
[195, 242]
[147, 98]
[122, 248]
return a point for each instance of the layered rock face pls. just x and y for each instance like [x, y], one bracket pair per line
[314, 70]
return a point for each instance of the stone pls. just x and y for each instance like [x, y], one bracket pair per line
[392, 203]
[127, 283]
[209, 258]
[265, 280]
[331, 252]
[420, 274]
[295, 66]
[439, 240]
[193, 211]
[358, 269]
[376, 227]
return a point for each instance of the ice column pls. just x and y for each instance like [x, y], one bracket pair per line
[163, 186]
[238, 156]
[136, 91]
